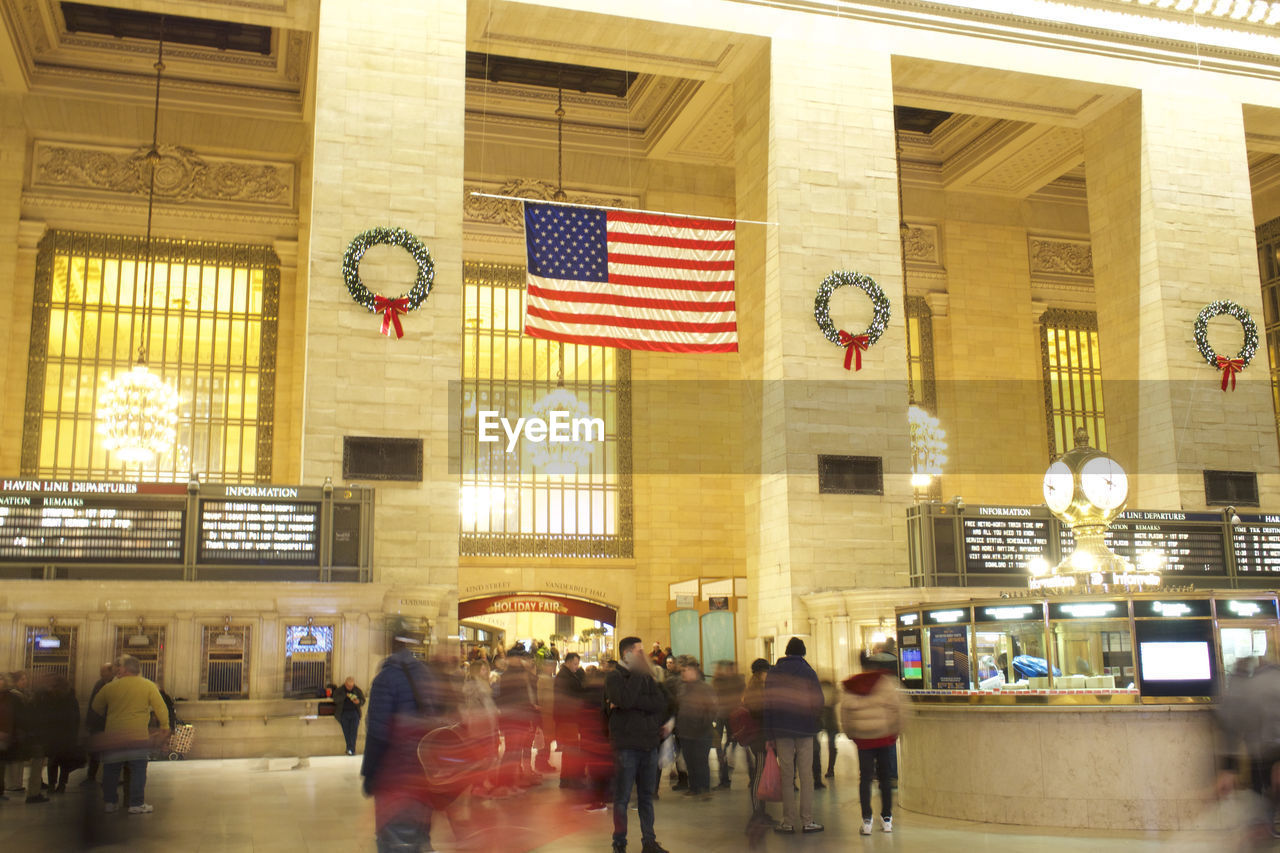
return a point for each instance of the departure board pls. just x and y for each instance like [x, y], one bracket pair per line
[74, 529]
[259, 532]
[1004, 539]
[1256, 542]
[1187, 544]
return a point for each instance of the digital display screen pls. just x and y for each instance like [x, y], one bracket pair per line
[60, 529]
[259, 532]
[1180, 547]
[1004, 540]
[1257, 546]
[912, 665]
[1175, 661]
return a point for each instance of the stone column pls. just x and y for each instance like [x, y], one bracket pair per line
[388, 152]
[816, 156]
[15, 291]
[1171, 217]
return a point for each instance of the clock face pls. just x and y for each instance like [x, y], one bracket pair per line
[1104, 482]
[1059, 486]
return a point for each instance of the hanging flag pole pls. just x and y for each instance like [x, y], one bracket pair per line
[622, 209]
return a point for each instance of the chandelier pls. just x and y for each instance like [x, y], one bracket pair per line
[138, 410]
[928, 447]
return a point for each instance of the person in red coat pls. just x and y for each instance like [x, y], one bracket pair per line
[871, 715]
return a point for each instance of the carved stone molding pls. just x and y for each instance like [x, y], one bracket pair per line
[1060, 257]
[181, 175]
[921, 244]
[510, 214]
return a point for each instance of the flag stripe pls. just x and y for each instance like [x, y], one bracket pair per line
[570, 312]
[708, 286]
[668, 344]
[630, 322]
[649, 289]
[668, 263]
[669, 221]
[671, 242]
[635, 301]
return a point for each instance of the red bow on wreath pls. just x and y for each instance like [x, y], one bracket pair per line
[391, 309]
[854, 345]
[1230, 367]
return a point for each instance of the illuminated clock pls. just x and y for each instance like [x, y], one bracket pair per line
[1104, 482]
[1059, 487]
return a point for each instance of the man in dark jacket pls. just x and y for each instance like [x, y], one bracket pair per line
[792, 709]
[638, 711]
[569, 690]
[348, 701]
[403, 706]
[93, 723]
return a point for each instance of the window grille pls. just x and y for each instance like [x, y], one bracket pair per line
[509, 504]
[213, 333]
[308, 660]
[51, 649]
[224, 673]
[150, 654]
[1072, 379]
[922, 389]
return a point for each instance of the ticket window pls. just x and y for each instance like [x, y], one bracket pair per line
[146, 644]
[1093, 653]
[947, 664]
[1088, 649]
[50, 651]
[1247, 634]
[1007, 653]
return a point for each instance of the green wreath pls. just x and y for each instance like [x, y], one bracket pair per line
[1218, 309]
[854, 344]
[389, 307]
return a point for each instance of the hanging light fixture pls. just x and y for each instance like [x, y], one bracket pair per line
[560, 458]
[137, 410]
[928, 447]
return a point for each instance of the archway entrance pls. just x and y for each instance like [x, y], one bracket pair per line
[573, 624]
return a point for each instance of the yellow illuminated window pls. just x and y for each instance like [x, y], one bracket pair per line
[212, 335]
[516, 503]
[1072, 378]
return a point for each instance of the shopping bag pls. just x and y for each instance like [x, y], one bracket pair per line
[769, 789]
[667, 752]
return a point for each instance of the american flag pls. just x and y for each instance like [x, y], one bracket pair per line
[627, 279]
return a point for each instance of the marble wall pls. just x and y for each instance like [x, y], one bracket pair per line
[1123, 768]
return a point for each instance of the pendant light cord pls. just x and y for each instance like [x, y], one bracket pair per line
[153, 160]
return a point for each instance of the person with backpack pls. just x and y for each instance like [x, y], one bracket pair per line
[871, 715]
[404, 705]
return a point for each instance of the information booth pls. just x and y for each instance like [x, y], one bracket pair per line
[1017, 705]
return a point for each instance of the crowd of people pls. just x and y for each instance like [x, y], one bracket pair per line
[440, 737]
[42, 741]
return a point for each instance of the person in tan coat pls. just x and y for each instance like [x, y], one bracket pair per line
[871, 715]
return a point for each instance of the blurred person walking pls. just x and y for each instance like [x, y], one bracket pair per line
[404, 704]
[638, 710]
[545, 695]
[695, 714]
[94, 722]
[62, 732]
[728, 684]
[831, 725]
[792, 708]
[517, 717]
[8, 732]
[480, 721]
[569, 693]
[127, 704]
[871, 715]
[349, 702]
[29, 734]
[1248, 716]
[593, 742]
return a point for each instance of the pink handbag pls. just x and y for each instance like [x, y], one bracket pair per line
[769, 790]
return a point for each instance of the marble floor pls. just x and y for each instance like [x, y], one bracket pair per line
[244, 805]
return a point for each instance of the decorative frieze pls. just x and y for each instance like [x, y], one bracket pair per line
[181, 174]
[1060, 257]
[921, 244]
[510, 214]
